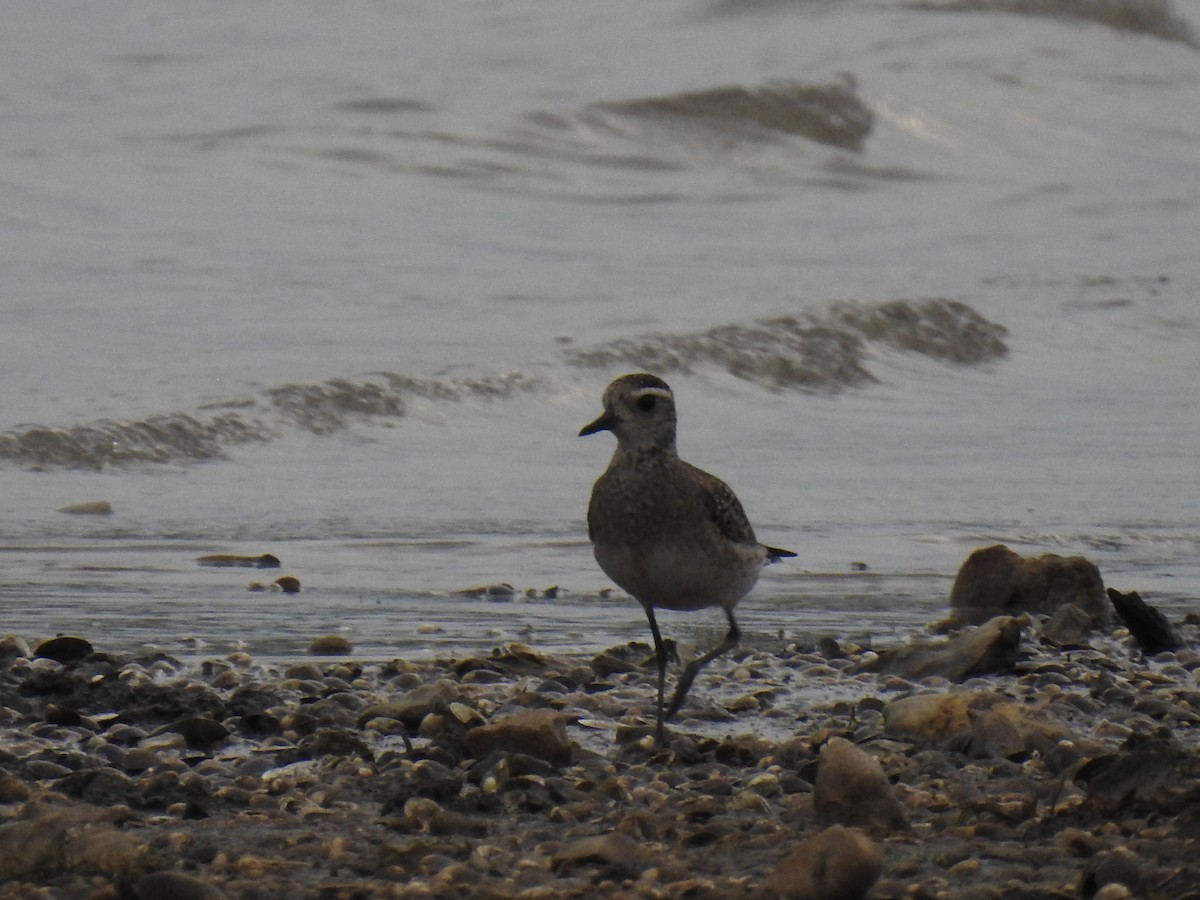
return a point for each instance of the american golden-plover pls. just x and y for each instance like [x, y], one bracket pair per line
[670, 534]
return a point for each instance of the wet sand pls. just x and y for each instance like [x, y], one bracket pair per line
[1076, 774]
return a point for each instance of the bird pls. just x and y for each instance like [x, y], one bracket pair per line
[668, 533]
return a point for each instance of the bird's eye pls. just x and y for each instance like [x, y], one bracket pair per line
[646, 402]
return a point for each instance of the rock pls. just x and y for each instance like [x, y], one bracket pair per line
[64, 649]
[175, 886]
[88, 508]
[539, 733]
[199, 732]
[1070, 626]
[852, 789]
[1008, 730]
[835, 864]
[998, 581]
[415, 705]
[426, 778]
[1116, 866]
[990, 648]
[61, 715]
[228, 560]
[12, 789]
[13, 647]
[73, 840]
[1149, 627]
[331, 645]
[614, 850]
[289, 584]
[495, 592]
[979, 723]
[1149, 769]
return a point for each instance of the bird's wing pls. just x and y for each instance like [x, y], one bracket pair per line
[725, 510]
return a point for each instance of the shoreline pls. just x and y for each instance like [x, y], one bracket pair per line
[134, 777]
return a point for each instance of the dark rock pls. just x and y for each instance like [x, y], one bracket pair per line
[333, 742]
[175, 886]
[997, 581]
[64, 649]
[99, 787]
[1117, 866]
[289, 584]
[226, 560]
[426, 778]
[61, 715]
[199, 732]
[1149, 627]
[1147, 769]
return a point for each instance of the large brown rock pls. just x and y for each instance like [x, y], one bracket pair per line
[537, 732]
[835, 864]
[998, 581]
[852, 789]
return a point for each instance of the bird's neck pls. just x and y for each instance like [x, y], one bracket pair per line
[645, 453]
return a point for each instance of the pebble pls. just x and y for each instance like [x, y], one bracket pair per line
[331, 645]
[520, 773]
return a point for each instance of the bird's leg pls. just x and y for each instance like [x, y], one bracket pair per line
[690, 672]
[660, 653]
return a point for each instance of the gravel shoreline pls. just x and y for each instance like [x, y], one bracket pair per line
[1076, 773]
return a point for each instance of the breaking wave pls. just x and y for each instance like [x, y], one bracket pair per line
[819, 350]
[1150, 17]
[830, 113]
[824, 350]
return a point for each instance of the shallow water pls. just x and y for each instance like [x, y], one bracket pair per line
[345, 290]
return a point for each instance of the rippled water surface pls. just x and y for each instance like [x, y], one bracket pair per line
[343, 288]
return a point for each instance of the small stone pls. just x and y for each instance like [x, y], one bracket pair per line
[331, 645]
[494, 592]
[228, 560]
[289, 584]
[88, 508]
